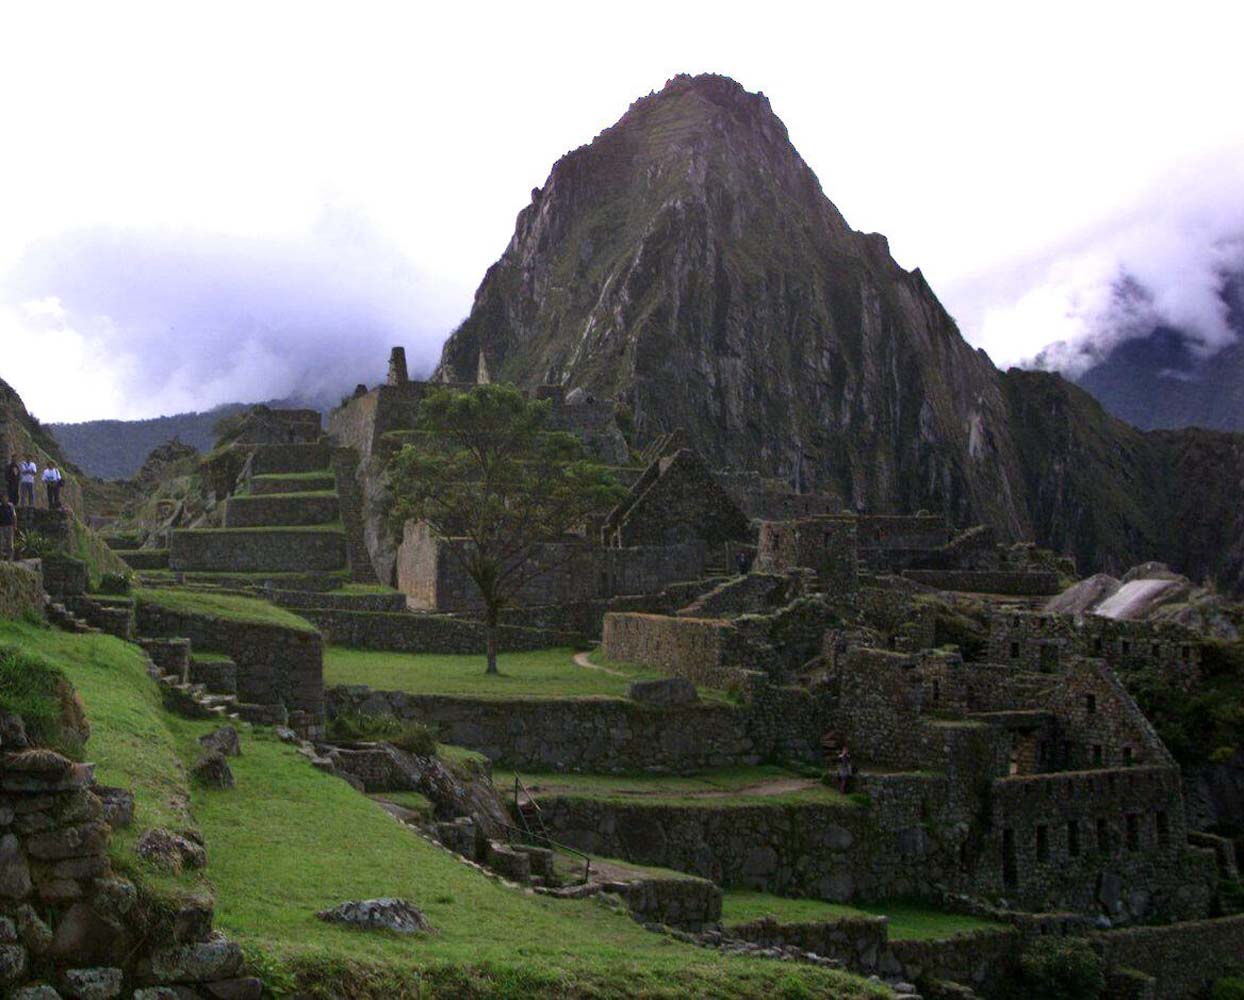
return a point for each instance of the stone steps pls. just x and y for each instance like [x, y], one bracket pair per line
[65, 620]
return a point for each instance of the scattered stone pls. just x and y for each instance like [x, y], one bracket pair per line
[170, 851]
[118, 805]
[91, 984]
[224, 740]
[666, 691]
[286, 735]
[386, 914]
[212, 770]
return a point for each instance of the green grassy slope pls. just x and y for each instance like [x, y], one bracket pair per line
[289, 841]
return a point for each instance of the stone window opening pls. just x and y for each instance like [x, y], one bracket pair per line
[1098, 757]
[1155, 650]
[1010, 868]
[1049, 658]
[1164, 829]
[1073, 838]
[1097, 645]
[1015, 651]
[1185, 653]
[1127, 648]
[1133, 832]
[1090, 704]
[937, 692]
[1043, 842]
[1013, 767]
[1127, 756]
[1103, 836]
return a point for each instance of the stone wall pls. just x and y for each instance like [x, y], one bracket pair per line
[289, 458]
[1184, 958]
[66, 917]
[772, 499]
[687, 903]
[303, 599]
[1043, 640]
[21, 589]
[275, 665]
[828, 545]
[1111, 840]
[280, 509]
[405, 632]
[434, 579]
[828, 851]
[274, 550]
[706, 651]
[675, 500]
[610, 735]
[1023, 583]
[980, 959]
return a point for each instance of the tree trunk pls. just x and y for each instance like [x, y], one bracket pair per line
[490, 619]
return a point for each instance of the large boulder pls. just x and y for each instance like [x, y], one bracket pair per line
[664, 692]
[212, 770]
[383, 914]
[224, 740]
[172, 852]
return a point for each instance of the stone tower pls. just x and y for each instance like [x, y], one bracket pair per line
[397, 366]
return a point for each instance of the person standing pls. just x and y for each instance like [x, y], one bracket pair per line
[12, 477]
[28, 472]
[8, 527]
[846, 768]
[51, 481]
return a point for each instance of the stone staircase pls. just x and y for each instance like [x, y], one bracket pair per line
[288, 522]
[62, 618]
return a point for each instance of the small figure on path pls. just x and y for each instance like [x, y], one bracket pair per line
[52, 482]
[8, 526]
[28, 472]
[12, 477]
[845, 770]
[740, 562]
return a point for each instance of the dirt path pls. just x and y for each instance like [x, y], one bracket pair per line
[581, 659]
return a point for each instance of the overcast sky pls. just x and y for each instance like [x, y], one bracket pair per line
[258, 199]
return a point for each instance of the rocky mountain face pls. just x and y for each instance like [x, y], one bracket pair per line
[688, 264]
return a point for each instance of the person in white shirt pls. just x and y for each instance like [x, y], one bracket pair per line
[51, 481]
[29, 469]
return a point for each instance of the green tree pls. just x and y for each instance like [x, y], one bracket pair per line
[488, 471]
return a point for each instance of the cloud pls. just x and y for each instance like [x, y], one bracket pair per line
[1165, 261]
[133, 322]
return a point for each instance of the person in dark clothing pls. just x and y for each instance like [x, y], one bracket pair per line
[8, 528]
[740, 562]
[12, 477]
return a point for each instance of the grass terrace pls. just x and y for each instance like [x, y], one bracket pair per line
[230, 607]
[909, 920]
[546, 673]
[725, 788]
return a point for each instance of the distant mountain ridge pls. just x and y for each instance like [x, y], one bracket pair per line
[116, 449]
[1159, 381]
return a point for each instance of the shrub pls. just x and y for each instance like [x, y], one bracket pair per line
[34, 545]
[351, 727]
[416, 738]
[1228, 988]
[115, 583]
[45, 700]
[1063, 969]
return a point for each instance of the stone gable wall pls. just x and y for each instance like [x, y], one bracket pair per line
[827, 545]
